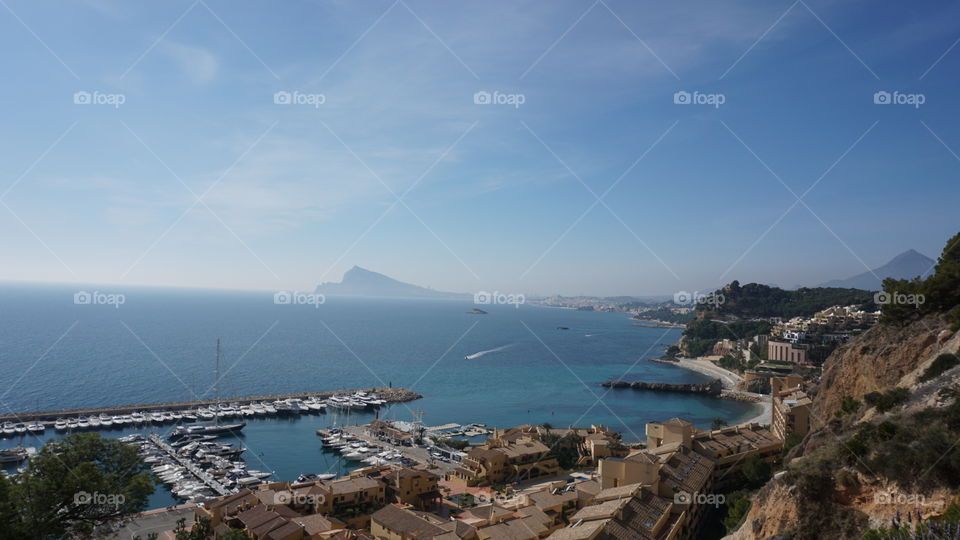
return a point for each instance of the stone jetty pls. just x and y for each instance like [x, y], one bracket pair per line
[712, 388]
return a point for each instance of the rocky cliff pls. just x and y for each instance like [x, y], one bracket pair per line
[841, 501]
[882, 358]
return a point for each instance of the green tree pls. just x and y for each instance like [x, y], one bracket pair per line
[756, 471]
[74, 485]
[718, 423]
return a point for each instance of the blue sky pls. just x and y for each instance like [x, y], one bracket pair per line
[491, 196]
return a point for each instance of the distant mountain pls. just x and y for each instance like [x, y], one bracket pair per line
[362, 282]
[906, 265]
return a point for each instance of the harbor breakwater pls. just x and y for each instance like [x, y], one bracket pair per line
[390, 395]
[712, 388]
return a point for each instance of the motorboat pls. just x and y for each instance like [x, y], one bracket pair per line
[105, 421]
[60, 424]
[36, 428]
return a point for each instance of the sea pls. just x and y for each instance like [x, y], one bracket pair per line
[68, 346]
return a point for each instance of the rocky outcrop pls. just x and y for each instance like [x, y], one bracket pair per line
[882, 358]
[712, 388]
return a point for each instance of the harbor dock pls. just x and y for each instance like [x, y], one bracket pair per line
[390, 395]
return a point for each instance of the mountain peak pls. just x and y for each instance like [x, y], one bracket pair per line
[906, 265]
[358, 281]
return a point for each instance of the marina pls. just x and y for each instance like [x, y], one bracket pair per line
[165, 413]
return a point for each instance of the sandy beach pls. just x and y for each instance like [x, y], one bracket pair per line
[729, 380]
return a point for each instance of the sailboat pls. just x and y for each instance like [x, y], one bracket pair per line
[214, 428]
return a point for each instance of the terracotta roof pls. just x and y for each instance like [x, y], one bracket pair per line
[283, 531]
[405, 522]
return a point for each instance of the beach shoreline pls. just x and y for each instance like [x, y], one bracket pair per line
[729, 379]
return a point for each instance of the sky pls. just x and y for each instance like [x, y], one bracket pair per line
[563, 147]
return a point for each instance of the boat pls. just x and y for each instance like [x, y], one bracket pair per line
[13, 455]
[60, 424]
[36, 427]
[94, 421]
[8, 428]
[72, 424]
[270, 408]
[137, 418]
[20, 428]
[105, 421]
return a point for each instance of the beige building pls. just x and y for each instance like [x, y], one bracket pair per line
[781, 351]
[791, 407]
[502, 461]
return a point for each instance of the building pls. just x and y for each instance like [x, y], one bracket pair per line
[791, 407]
[781, 351]
[501, 461]
[394, 522]
[416, 488]
[628, 512]
[727, 447]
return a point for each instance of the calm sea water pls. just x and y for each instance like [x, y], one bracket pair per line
[509, 367]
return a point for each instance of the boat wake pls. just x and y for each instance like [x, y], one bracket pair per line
[476, 355]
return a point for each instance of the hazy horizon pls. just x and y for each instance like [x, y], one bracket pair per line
[599, 148]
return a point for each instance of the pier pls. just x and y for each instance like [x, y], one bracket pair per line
[391, 395]
[197, 472]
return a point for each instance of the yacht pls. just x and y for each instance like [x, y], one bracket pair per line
[94, 421]
[283, 408]
[105, 421]
[127, 419]
[73, 423]
[270, 408]
[60, 424]
[36, 427]
[138, 418]
[83, 423]
[156, 418]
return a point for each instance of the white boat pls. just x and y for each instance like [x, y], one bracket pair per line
[36, 427]
[60, 424]
[105, 421]
[138, 418]
[156, 418]
[270, 408]
[83, 423]
[72, 423]
[9, 429]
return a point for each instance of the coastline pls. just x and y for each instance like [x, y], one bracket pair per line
[729, 379]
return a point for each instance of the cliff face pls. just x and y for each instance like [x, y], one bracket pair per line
[882, 358]
[843, 503]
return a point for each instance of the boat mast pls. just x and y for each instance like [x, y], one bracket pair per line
[216, 384]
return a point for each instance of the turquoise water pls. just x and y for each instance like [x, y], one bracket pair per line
[159, 345]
